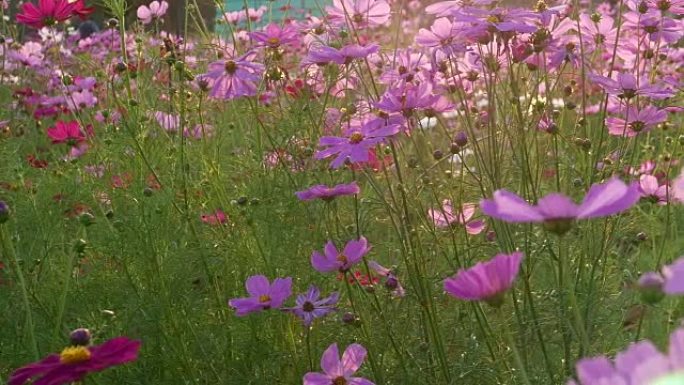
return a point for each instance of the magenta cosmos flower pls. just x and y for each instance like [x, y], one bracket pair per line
[557, 211]
[75, 362]
[486, 281]
[356, 145]
[310, 305]
[334, 260]
[66, 132]
[273, 36]
[635, 121]
[446, 217]
[233, 78]
[154, 11]
[321, 191]
[626, 86]
[323, 54]
[641, 364]
[263, 295]
[359, 13]
[339, 372]
[45, 13]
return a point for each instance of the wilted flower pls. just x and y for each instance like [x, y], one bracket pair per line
[263, 295]
[75, 362]
[486, 281]
[339, 372]
[333, 260]
[310, 306]
[391, 280]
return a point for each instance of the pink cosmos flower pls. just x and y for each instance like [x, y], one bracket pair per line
[626, 86]
[273, 36]
[443, 35]
[169, 122]
[233, 78]
[339, 372]
[486, 281]
[635, 121]
[75, 362]
[650, 189]
[45, 13]
[642, 363]
[359, 13]
[322, 54]
[356, 145]
[66, 132]
[678, 187]
[154, 11]
[326, 193]
[263, 295]
[446, 217]
[557, 211]
[334, 260]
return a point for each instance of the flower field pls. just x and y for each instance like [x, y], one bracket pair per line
[372, 192]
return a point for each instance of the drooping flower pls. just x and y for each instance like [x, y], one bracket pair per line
[155, 10]
[627, 86]
[640, 364]
[635, 121]
[273, 36]
[558, 211]
[81, 10]
[233, 78]
[326, 193]
[66, 132]
[75, 362]
[339, 372]
[359, 13]
[486, 281]
[45, 13]
[446, 217]
[391, 280]
[169, 122]
[263, 295]
[334, 260]
[310, 305]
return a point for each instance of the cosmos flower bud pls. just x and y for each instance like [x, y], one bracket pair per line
[87, 219]
[461, 138]
[4, 212]
[80, 337]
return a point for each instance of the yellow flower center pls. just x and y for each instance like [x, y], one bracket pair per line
[273, 41]
[74, 355]
[264, 298]
[342, 258]
[340, 381]
[356, 138]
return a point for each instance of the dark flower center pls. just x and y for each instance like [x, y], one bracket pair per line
[340, 381]
[559, 226]
[540, 6]
[628, 93]
[230, 67]
[356, 138]
[357, 18]
[495, 18]
[637, 125]
[308, 307]
[664, 5]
